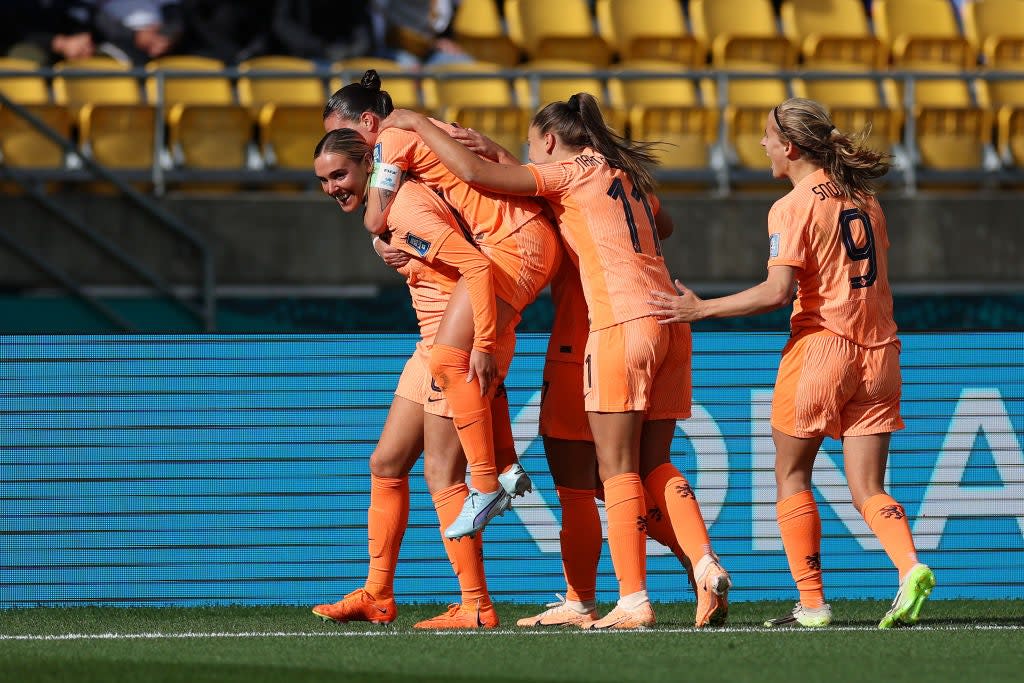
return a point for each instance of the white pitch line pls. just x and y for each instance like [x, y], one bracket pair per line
[388, 632]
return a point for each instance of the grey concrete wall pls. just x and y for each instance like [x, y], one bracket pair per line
[297, 240]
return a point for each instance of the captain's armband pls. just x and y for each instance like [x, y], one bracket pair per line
[386, 177]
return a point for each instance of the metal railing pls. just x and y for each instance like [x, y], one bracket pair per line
[29, 180]
[720, 173]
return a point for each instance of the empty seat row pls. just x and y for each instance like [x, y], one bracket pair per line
[733, 32]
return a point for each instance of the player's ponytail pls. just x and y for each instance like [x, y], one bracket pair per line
[849, 163]
[355, 98]
[579, 123]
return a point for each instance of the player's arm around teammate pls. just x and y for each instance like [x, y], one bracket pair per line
[839, 375]
[600, 186]
[342, 163]
[520, 245]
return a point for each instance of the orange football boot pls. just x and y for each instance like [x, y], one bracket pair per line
[359, 606]
[713, 584]
[622, 618]
[462, 617]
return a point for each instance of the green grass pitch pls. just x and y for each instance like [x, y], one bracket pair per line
[957, 640]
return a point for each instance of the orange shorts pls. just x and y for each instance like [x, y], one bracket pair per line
[562, 413]
[416, 384]
[524, 262]
[639, 365]
[829, 386]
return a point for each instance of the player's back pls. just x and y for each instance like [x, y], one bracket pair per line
[843, 284]
[491, 216]
[609, 228]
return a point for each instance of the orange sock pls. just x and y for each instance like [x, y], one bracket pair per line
[889, 522]
[466, 554]
[504, 443]
[580, 541]
[800, 525]
[385, 526]
[627, 540]
[660, 529]
[671, 493]
[471, 413]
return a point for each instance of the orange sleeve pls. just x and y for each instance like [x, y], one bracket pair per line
[787, 236]
[475, 269]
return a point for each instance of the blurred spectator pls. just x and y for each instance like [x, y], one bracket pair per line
[418, 32]
[229, 30]
[323, 30]
[138, 30]
[46, 31]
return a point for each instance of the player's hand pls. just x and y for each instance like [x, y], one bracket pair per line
[685, 308]
[482, 367]
[477, 142]
[396, 258]
[406, 119]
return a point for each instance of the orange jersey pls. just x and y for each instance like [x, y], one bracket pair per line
[840, 256]
[570, 329]
[430, 287]
[609, 228]
[421, 225]
[489, 216]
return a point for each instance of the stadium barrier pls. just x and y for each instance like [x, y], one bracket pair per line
[720, 176]
[189, 470]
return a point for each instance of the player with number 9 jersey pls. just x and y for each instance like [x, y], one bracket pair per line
[840, 253]
[839, 375]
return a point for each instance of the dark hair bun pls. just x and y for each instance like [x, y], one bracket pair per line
[370, 80]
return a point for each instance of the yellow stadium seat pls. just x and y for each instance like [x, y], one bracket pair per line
[1002, 92]
[647, 84]
[748, 102]
[288, 133]
[686, 134]
[922, 33]
[76, 91]
[555, 80]
[832, 31]
[556, 30]
[855, 102]
[212, 93]
[886, 124]
[395, 79]
[118, 136]
[254, 92]
[995, 29]
[953, 139]
[552, 80]
[846, 92]
[507, 126]
[22, 146]
[198, 89]
[210, 136]
[745, 126]
[478, 28]
[485, 104]
[443, 90]
[741, 33]
[657, 32]
[29, 89]
[1010, 138]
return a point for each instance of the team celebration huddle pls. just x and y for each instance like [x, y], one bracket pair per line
[478, 235]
